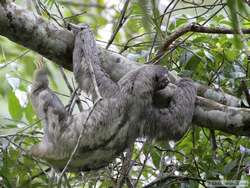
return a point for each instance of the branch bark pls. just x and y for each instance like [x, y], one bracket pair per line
[56, 44]
[193, 27]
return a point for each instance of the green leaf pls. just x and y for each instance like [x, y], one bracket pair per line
[209, 55]
[242, 6]
[192, 63]
[232, 4]
[231, 54]
[15, 109]
[156, 157]
[180, 21]
[5, 132]
[29, 114]
[185, 57]
[142, 8]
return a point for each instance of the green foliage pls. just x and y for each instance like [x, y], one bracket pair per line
[212, 59]
[234, 7]
[15, 109]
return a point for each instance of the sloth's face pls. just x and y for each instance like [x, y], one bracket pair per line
[162, 79]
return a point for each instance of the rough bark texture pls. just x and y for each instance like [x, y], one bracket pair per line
[229, 119]
[31, 31]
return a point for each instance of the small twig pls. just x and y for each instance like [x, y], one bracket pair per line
[169, 150]
[78, 140]
[217, 71]
[129, 183]
[208, 7]
[156, 34]
[143, 165]
[239, 165]
[126, 166]
[170, 13]
[120, 23]
[37, 7]
[74, 16]
[126, 45]
[43, 7]
[213, 143]
[66, 80]
[75, 99]
[22, 130]
[73, 93]
[61, 15]
[14, 60]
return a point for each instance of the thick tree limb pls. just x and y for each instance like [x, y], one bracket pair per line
[30, 30]
[56, 44]
[213, 115]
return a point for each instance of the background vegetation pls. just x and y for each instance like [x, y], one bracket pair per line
[137, 29]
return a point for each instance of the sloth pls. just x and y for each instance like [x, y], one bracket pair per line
[126, 111]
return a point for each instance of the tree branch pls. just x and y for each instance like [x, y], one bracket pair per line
[228, 119]
[193, 27]
[119, 24]
[56, 44]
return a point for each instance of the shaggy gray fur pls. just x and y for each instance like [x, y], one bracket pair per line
[126, 112]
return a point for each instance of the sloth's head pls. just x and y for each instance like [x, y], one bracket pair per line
[162, 78]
